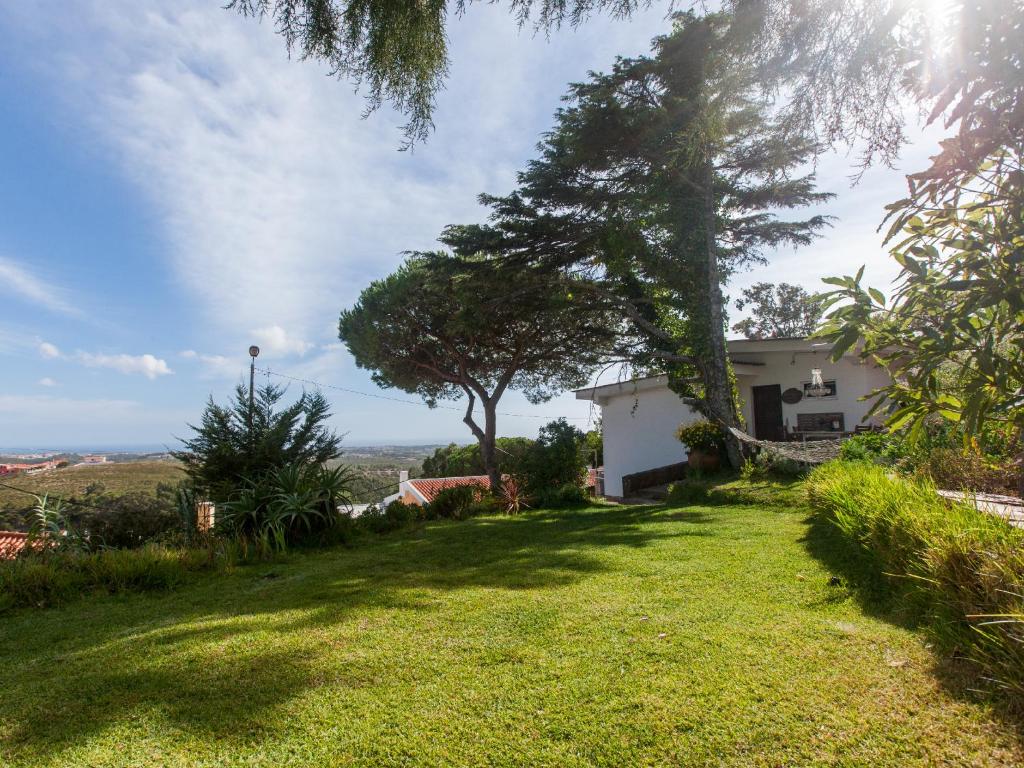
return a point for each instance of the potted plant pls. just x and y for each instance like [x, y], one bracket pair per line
[704, 442]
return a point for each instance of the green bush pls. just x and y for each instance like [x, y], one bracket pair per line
[454, 503]
[687, 492]
[124, 521]
[568, 495]
[294, 503]
[50, 578]
[879, 447]
[966, 567]
[701, 436]
[558, 458]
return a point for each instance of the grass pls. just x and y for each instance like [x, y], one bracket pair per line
[683, 636]
[119, 477]
[961, 570]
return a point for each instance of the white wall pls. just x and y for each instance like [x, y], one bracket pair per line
[787, 369]
[639, 433]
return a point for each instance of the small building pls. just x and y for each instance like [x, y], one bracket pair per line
[779, 398]
[93, 460]
[421, 491]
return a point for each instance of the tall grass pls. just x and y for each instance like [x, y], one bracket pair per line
[964, 566]
[56, 577]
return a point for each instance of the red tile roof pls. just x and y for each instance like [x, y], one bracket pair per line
[429, 487]
[11, 543]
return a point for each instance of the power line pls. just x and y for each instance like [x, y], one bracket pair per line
[69, 501]
[376, 396]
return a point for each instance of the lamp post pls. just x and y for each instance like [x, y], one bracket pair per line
[254, 352]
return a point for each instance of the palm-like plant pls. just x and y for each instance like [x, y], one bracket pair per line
[288, 503]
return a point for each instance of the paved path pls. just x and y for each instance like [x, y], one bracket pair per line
[1007, 507]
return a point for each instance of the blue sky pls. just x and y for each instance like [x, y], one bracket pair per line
[173, 189]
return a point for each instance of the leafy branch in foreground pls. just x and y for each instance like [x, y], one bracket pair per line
[396, 48]
[952, 335]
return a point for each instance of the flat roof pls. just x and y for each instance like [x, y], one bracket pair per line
[735, 346]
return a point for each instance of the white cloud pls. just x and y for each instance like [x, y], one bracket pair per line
[278, 202]
[276, 341]
[46, 381]
[149, 366]
[48, 351]
[188, 354]
[18, 280]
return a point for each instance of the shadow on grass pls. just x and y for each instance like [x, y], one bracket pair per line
[209, 659]
[901, 604]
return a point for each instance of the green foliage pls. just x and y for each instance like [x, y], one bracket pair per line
[226, 453]
[445, 326]
[659, 179]
[965, 566]
[879, 447]
[125, 521]
[779, 311]
[465, 460]
[397, 50]
[454, 503]
[952, 335]
[39, 580]
[593, 445]
[394, 517]
[51, 531]
[295, 503]
[558, 458]
[565, 496]
[701, 436]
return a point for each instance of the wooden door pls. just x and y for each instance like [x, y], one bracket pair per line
[768, 413]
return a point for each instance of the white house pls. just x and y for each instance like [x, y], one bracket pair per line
[640, 417]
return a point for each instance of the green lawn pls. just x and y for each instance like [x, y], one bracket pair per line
[615, 636]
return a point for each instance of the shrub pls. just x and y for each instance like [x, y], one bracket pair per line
[233, 442]
[454, 503]
[701, 436]
[879, 447]
[401, 514]
[292, 504]
[687, 492]
[967, 470]
[558, 458]
[52, 577]
[568, 495]
[125, 521]
[512, 496]
[486, 505]
[966, 566]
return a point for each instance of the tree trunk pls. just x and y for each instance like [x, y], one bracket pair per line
[486, 436]
[718, 391]
[487, 445]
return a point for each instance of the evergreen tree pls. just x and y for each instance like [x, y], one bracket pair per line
[398, 49]
[657, 181]
[444, 326]
[233, 445]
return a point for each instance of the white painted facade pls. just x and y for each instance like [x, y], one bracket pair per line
[640, 417]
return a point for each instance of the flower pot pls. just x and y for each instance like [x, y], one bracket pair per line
[704, 461]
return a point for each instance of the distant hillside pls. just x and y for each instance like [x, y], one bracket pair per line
[137, 476]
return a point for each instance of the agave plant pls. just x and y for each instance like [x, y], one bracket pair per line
[50, 528]
[287, 503]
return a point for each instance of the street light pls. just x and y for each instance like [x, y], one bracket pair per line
[254, 352]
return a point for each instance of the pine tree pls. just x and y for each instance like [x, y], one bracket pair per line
[656, 183]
